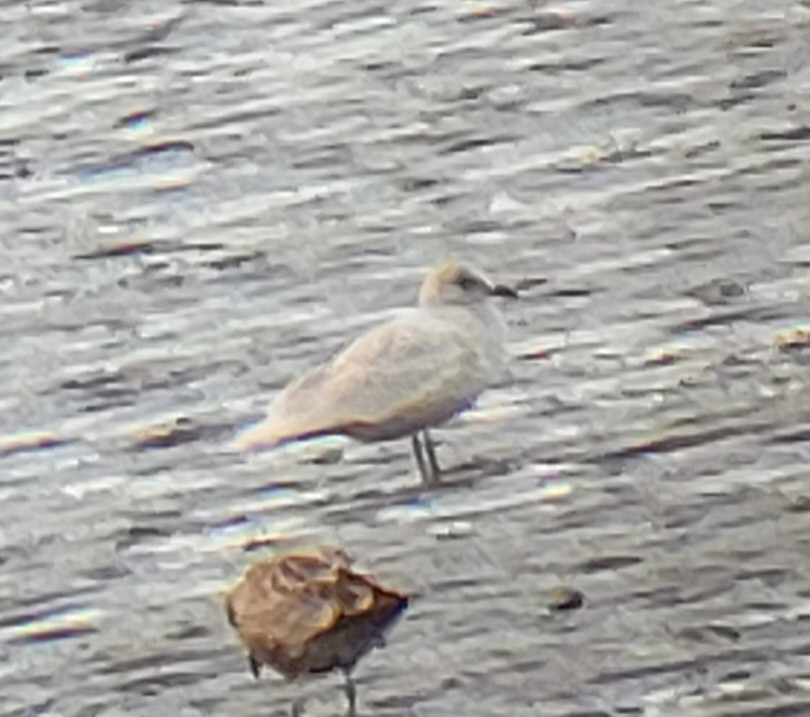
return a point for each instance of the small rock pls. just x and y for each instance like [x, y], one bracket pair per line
[540, 352]
[718, 291]
[792, 339]
[166, 434]
[328, 457]
[565, 598]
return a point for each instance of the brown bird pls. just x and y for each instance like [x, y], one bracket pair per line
[306, 612]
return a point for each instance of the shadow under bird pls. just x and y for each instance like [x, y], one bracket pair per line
[412, 372]
[307, 612]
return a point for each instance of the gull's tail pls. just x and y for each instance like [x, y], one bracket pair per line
[264, 434]
[272, 432]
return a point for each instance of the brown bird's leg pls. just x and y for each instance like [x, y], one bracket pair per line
[297, 707]
[420, 459]
[351, 695]
[255, 666]
[431, 454]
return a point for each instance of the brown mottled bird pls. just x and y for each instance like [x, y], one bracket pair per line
[404, 376]
[306, 612]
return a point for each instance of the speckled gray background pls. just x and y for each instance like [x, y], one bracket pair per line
[199, 199]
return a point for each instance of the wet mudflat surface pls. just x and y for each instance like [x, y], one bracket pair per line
[201, 199]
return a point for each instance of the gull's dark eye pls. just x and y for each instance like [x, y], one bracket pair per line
[467, 283]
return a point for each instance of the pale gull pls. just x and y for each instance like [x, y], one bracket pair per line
[412, 372]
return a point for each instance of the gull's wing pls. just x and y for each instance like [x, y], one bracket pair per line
[412, 371]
